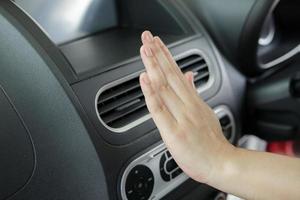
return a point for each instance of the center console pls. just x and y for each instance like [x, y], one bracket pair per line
[155, 173]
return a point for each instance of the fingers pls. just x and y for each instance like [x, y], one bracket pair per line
[163, 119]
[152, 67]
[168, 55]
[170, 71]
[160, 84]
[190, 78]
[148, 37]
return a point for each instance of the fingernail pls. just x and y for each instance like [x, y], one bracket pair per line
[159, 41]
[147, 36]
[147, 51]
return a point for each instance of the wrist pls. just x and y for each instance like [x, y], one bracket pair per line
[226, 167]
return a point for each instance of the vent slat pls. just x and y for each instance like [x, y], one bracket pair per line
[190, 62]
[188, 58]
[201, 82]
[124, 103]
[119, 91]
[119, 102]
[226, 125]
[201, 76]
[195, 67]
[130, 118]
[118, 114]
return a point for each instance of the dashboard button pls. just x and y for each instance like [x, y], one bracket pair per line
[168, 154]
[176, 173]
[171, 165]
[139, 184]
[166, 177]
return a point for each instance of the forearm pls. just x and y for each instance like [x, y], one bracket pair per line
[259, 175]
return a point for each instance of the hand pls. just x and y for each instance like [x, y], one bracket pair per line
[188, 126]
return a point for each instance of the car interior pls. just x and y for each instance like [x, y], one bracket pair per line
[73, 119]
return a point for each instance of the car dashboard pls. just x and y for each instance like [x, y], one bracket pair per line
[92, 51]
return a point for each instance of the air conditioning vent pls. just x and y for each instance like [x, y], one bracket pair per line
[121, 105]
[198, 66]
[227, 122]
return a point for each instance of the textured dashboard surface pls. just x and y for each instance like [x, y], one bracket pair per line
[67, 166]
[16, 149]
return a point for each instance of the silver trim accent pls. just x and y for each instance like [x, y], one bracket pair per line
[252, 142]
[151, 159]
[269, 26]
[267, 40]
[270, 37]
[139, 121]
[282, 59]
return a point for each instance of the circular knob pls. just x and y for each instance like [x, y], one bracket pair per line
[139, 184]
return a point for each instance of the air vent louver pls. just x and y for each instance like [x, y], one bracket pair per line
[226, 126]
[198, 66]
[122, 106]
[227, 122]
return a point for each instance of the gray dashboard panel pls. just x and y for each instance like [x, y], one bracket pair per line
[67, 165]
[73, 18]
[38, 94]
[16, 149]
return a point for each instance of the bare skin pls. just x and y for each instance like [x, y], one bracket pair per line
[193, 135]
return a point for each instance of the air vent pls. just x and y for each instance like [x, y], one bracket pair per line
[198, 66]
[121, 104]
[226, 121]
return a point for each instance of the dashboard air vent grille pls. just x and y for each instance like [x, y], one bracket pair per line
[227, 123]
[122, 105]
[198, 66]
[226, 126]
